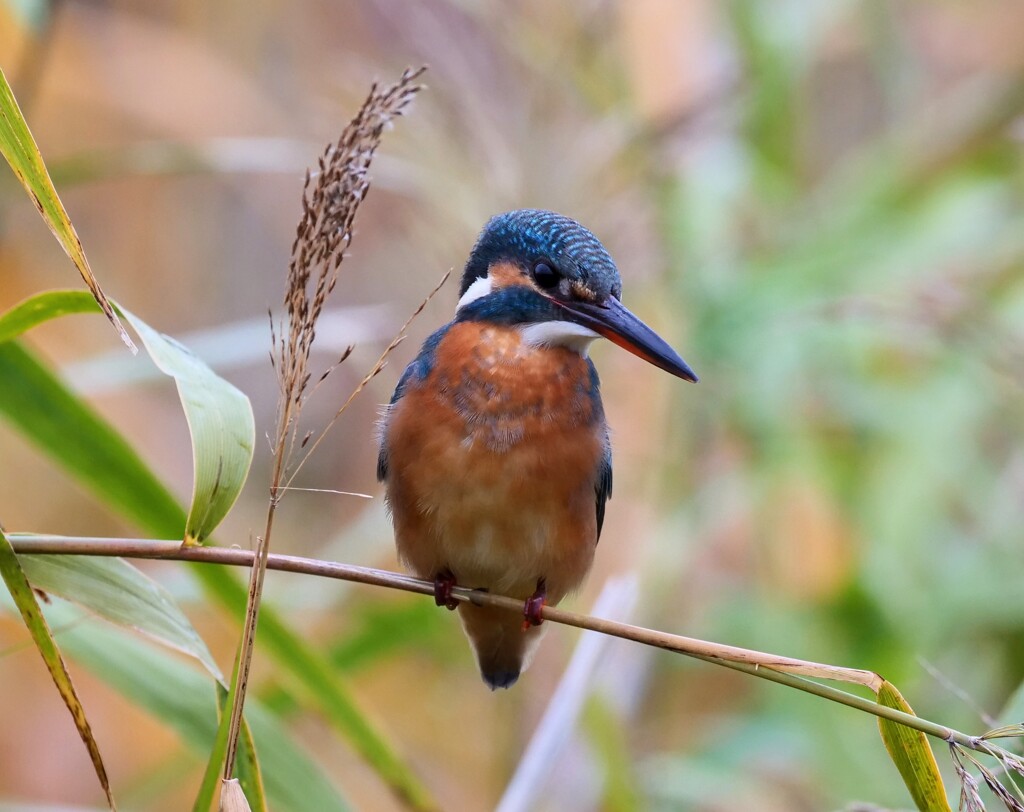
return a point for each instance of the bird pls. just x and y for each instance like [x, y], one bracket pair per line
[494, 450]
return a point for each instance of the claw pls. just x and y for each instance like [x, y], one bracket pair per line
[444, 581]
[534, 604]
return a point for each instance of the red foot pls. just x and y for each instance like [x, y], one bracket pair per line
[533, 605]
[443, 583]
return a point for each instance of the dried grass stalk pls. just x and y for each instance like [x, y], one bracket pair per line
[330, 199]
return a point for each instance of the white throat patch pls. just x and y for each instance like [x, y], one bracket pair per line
[480, 288]
[559, 334]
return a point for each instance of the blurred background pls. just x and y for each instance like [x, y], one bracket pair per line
[821, 205]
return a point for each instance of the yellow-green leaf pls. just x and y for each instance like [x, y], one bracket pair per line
[25, 599]
[19, 148]
[912, 754]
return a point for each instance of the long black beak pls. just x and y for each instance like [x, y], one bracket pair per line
[612, 320]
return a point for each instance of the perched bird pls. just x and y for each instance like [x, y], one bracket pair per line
[494, 449]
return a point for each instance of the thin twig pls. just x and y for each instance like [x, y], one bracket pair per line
[256, 576]
[375, 370]
[784, 670]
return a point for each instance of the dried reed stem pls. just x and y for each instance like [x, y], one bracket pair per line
[330, 200]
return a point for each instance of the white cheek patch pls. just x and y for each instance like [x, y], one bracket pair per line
[559, 334]
[480, 288]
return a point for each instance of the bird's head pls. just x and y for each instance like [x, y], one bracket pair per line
[552, 277]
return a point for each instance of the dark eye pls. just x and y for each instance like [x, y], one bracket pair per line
[545, 276]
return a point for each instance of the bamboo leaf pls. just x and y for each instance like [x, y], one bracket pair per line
[70, 431]
[219, 417]
[19, 148]
[28, 606]
[250, 779]
[912, 755]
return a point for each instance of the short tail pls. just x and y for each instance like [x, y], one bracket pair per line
[503, 649]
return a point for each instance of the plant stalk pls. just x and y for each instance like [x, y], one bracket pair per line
[758, 664]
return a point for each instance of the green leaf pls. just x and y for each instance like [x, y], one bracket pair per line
[40, 308]
[186, 700]
[19, 148]
[220, 418]
[220, 422]
[912, 754]
[121, 593]
[75, 436]
[247, 767]
[117, 591]
[215, 762]
[246, 764]
[25, 599]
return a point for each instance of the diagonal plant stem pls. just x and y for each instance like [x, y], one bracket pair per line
[241, 683]
[331, 197]
[783, 670]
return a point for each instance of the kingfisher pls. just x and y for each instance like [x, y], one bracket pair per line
[494, 449]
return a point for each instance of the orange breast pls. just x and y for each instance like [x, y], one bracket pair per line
[493, 461]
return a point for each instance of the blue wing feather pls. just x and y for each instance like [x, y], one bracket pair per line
[603, 488]
[416, 372]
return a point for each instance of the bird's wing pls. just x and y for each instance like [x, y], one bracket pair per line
[416, 372]
[603, 488]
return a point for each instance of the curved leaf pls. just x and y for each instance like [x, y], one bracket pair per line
[42, 307]
[219, 416]
[25, 600]
[186, 700]
[121, 593]
[221, 424]
[912, 754]
[19, 148]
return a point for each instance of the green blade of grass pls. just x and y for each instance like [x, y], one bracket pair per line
[75, 436]
[218, 752]
[47, 414]
[42, 307]
[186, 700]
[220, 419]
[28, 606]
[912, 755]
[247, 764]
[115, 590]
[121, 593]
[19, 148]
